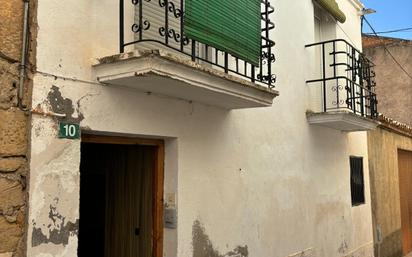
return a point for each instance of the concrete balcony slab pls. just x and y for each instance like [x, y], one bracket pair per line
[173, 75]
[343, 121]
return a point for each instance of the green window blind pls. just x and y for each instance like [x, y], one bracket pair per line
[228, 25]
[333, 8]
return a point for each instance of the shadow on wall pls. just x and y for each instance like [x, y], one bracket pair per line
[203, 247]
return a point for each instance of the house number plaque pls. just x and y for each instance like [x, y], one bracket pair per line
[69, 130]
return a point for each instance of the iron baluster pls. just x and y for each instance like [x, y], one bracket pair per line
[121, 25]
[181, 26]
[252, 71]
[226, 62]
[167, 22]
[140, 30]
[324, 77]
[193, 50]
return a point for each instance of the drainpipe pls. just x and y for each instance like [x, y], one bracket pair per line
[23, 55]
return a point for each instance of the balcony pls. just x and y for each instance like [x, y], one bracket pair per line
[342, 91]
[157, 56]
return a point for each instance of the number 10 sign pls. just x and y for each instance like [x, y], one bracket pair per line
[69, 130]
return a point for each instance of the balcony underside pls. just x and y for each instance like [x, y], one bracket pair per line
[161, 72]
[343, 121]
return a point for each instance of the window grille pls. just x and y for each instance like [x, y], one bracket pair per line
[356, 181]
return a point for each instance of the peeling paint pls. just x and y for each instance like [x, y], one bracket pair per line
[57, 231]
[63, 105]
[203, 247]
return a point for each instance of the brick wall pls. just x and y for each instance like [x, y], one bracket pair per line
[14, 123]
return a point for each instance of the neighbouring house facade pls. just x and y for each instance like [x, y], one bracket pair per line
[394, 86]
[390, 164]
[146, 141]
[390, 146]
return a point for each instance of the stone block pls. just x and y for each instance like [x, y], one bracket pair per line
[8, 84]
[11, 164]
[11, 16]
[11, 195]
[13, 133]
[10, 235]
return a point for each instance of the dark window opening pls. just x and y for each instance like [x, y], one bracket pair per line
[357, 186]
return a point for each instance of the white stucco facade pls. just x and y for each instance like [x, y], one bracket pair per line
[260, 177]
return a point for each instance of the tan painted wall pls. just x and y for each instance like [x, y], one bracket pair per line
[383, 145]
[13, 131]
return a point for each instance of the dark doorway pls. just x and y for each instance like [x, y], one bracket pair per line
[119, 190]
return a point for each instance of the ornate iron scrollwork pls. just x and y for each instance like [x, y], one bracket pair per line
[176, 12]
[335, 88]
[266, 57]
[172, 8]
[173, 34]
[162, 3]
[271, 79]
[136, 27]
[335, 102]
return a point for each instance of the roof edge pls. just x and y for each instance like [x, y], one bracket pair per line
[396, 126]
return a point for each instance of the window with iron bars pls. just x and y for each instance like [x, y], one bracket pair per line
[357, 185]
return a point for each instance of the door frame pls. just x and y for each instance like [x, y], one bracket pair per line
[405, 210]
[158, 180]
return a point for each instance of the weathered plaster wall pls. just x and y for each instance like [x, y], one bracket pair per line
[393, 86]
[383, 145]
[256, 182]
[14, 129]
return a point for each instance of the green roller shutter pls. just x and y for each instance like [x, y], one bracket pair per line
[333, 8]
[228, 25]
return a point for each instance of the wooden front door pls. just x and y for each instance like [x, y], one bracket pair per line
[121, 189]
[405, 189]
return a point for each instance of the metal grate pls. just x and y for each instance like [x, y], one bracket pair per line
[357, 186]
[166, 28]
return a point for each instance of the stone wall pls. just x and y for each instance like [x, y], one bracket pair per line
[393, 86]
[14, 129]
[383, 145]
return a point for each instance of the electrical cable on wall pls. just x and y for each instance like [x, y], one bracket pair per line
[387, 50]
[391, 31]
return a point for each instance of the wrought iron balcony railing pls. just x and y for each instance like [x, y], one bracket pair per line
[162, 22]
[346, 78]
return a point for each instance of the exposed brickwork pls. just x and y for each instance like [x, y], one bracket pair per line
[394, 87]
[14, 123]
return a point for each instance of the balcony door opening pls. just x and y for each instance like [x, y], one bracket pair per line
[405, 190]
[121, 189]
